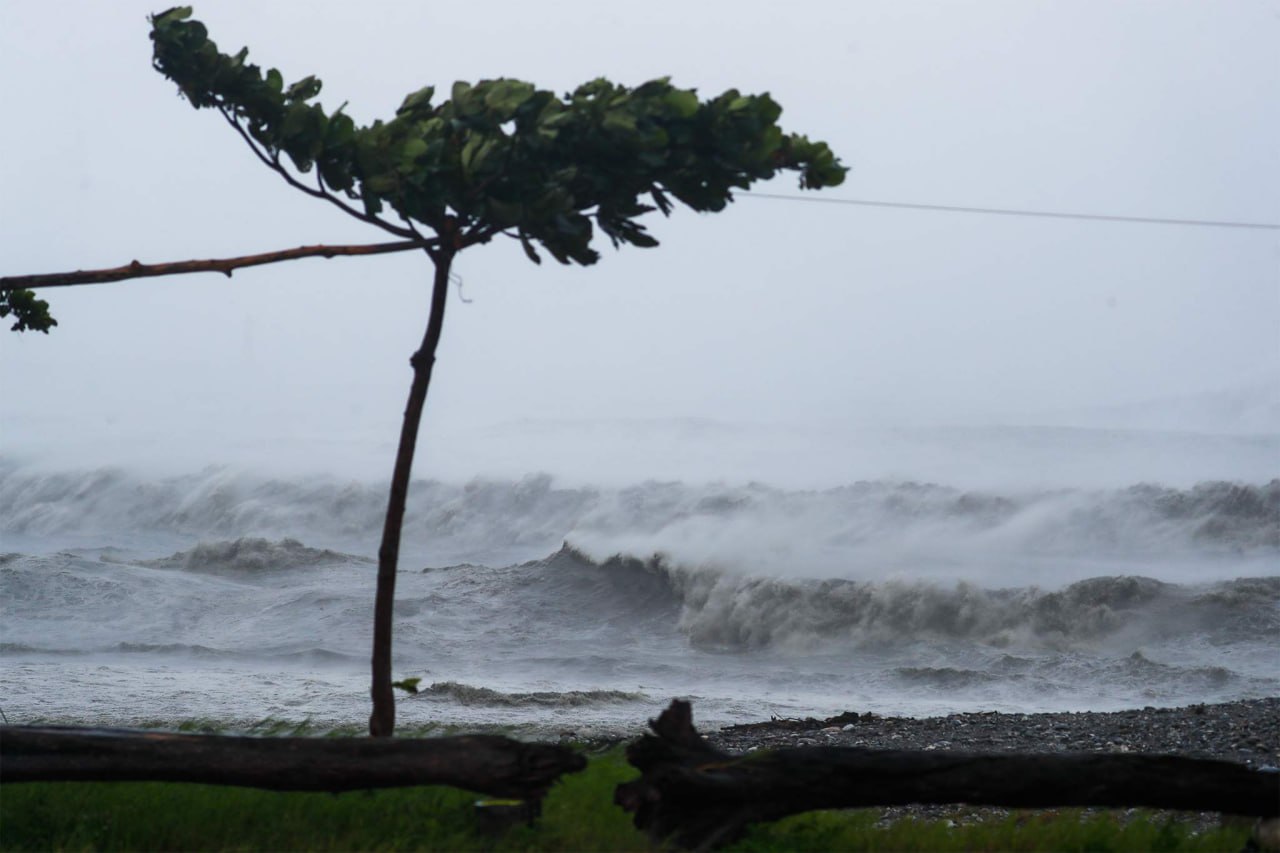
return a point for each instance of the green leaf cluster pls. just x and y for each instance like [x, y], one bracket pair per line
[29, 313]
[502, 156]
[408, 685]
[278, 117]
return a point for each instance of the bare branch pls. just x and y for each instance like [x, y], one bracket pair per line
[274, 164]
[225, 266]
[248, 140]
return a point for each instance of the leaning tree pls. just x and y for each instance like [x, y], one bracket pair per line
[500, 158]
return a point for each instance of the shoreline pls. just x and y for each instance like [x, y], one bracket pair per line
[1245, 731]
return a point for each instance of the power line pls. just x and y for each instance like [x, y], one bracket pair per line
[998, 211]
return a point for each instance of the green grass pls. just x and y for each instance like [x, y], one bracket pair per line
[579, 815]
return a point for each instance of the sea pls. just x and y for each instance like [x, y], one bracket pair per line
[908, 572]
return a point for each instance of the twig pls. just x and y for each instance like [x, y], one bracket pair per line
[430, 245]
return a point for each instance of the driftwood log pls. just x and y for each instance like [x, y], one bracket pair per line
[700, 797]
[487, 764]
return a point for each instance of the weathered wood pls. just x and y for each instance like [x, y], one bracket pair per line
[701, 797]
[488, 764]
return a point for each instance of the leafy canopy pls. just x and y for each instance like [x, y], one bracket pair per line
[497, 157]
[503, 156]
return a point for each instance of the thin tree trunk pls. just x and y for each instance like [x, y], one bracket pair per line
[382, 722]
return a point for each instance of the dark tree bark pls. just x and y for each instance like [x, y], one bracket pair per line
[702, 798]
[226, 266]
[487, 764]
[382, 721]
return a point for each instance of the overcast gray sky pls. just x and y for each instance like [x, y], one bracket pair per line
[771, 312]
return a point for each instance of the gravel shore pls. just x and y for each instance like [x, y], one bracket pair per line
[1247, 732]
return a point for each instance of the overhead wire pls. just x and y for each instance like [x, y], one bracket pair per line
[1001, 211]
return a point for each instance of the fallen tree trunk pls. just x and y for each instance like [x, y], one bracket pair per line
[701, 798]
[487, 764]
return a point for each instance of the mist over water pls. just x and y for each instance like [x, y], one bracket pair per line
[552, 602]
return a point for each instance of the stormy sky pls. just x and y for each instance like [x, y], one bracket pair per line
[782, 315]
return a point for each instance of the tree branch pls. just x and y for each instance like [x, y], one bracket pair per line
[479, 234]
[433, 245]
[225, 266]
[273, 163]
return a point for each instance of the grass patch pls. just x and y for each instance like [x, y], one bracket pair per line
[578, 815]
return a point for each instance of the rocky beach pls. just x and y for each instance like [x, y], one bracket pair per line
[1247, 732]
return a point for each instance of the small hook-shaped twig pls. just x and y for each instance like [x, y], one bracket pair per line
[456, 279]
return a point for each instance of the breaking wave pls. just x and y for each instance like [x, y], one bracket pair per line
[786, 532]
[607, 638]
[465, 694]
[728, 611]
[185, 650]
[1134, 669]
[249, 555]
[218, 588]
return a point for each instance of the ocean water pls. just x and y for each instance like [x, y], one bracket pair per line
[558, 604]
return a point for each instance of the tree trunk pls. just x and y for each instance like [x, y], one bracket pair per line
[702, 797]
[382, 722]
[487, 764]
